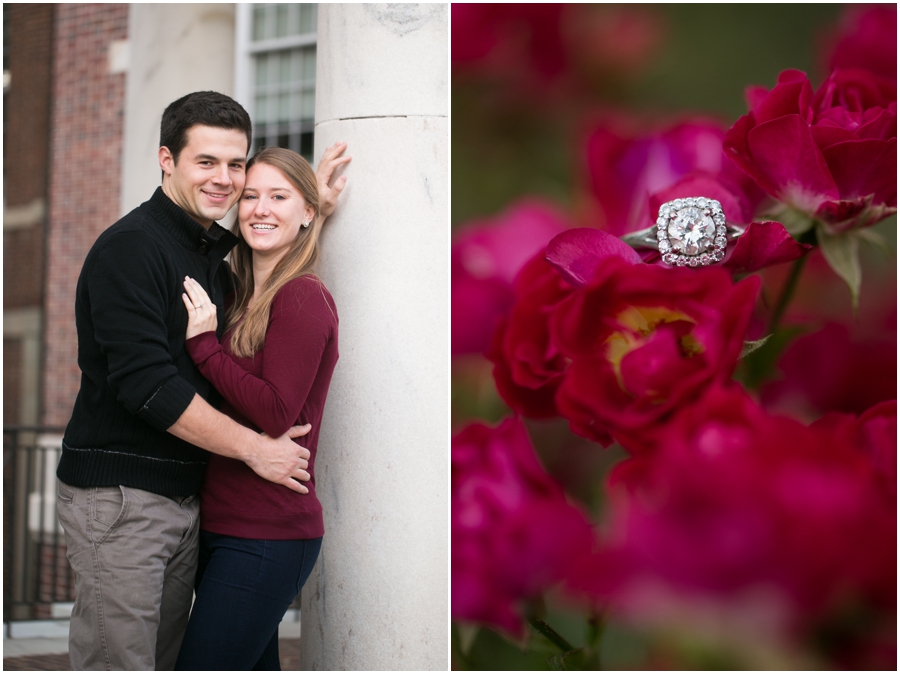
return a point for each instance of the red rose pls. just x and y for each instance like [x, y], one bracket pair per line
[866, 38]
[513, 532]
[645, 340]
[828, 370]
[754, 527]
[832, 153]
[528, 367]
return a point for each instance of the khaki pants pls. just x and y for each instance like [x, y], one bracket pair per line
[135, 556]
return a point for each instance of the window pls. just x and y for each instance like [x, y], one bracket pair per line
[276, 76]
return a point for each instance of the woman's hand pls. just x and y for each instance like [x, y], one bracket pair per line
[201, 311]
[328, 194]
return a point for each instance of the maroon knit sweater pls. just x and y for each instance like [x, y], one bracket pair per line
[283, 385]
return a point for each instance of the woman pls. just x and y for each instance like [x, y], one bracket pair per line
[259, 540]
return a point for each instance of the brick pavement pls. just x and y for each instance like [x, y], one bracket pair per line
[289, 649]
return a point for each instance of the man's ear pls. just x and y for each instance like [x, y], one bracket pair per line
[166, 160]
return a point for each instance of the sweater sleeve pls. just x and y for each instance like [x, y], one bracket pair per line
[128, 308]
[301, 324]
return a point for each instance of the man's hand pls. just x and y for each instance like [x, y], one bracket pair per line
[281, 460]
[328, 194]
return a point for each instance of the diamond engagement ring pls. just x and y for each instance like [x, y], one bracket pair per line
[689, 232]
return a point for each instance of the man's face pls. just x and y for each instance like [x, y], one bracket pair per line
[210, 173]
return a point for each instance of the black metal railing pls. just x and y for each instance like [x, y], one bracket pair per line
[36, 574]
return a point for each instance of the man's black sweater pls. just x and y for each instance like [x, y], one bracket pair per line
[136, 377]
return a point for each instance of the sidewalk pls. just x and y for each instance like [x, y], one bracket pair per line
[45, 654]
[56, 662]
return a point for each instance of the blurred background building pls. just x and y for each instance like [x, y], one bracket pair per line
[84, 87]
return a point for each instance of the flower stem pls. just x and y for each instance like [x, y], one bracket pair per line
[787, 292]
[555, 637]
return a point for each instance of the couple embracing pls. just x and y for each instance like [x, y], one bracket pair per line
[182, 470]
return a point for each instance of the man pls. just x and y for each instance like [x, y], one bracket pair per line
[133, 453]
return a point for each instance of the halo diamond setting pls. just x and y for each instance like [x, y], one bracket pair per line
[691, 232]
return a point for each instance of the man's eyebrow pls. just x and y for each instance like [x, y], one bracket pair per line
[236, 160]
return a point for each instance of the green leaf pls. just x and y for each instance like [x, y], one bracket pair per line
[557, 662]
[467, 634]
[841, 251]
[750, 347]
[875, 239]
[760, 365]
[795, 222]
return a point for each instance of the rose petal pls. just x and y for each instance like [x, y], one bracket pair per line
[790, 96]
[577, 253]
[763, 244]
[865, 167]
[786, 155]
[702, 185]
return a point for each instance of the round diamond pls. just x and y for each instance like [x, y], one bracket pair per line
[692, 231]
[701, 202]
[705, 259]
[720, 230]
[670, 258]
[664, 246]
[720, 241]
[719, 254]
[719, 218]
[693, 261]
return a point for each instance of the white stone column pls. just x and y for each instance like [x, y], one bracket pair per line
[378, 599]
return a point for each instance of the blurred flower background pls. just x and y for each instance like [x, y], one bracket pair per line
[630, 488]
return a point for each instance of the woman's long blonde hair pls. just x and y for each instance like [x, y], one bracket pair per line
[250, 334]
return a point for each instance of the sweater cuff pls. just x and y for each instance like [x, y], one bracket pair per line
[202, 346]
[168, 403]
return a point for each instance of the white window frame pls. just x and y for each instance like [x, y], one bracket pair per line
[246, 49]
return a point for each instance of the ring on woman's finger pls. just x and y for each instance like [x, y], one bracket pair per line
[200, 306]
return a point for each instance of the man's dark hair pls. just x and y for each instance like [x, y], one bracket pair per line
[209, 108]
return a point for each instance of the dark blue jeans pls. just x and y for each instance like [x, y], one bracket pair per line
[243, 589]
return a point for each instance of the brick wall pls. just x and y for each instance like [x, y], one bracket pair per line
[26, 133]
[86, 147]
[27, 104]
[12, 379]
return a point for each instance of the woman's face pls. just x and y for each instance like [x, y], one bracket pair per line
[271, 212]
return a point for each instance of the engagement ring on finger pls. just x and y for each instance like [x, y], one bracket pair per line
[689, 232]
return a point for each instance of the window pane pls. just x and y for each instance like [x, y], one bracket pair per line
[307, 18]
[308, 111]
[259, 22]
[261, 71]
[284, 71]
[309, 64]
[284, 108]
[282, 25]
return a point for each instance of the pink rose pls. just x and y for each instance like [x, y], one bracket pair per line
[644, 340]
[866, 38]
[513, 532]
[485, 257]
[625, 165]
[754, 524]
[830, 153]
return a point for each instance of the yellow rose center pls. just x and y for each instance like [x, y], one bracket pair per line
[638, 323]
